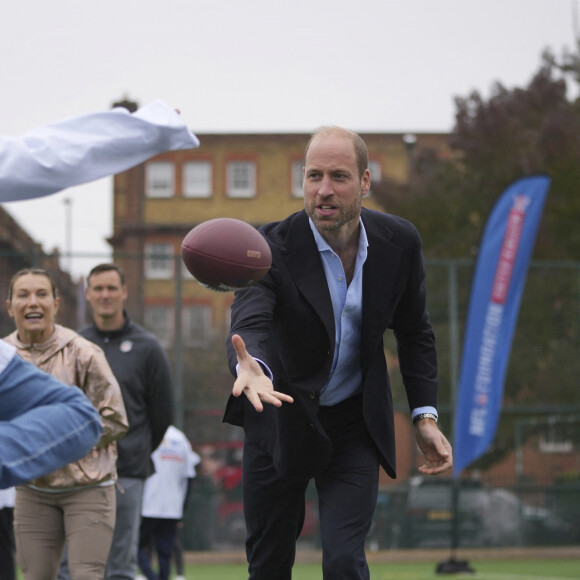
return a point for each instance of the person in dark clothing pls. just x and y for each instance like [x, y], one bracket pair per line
[142, 370]
[7, 547]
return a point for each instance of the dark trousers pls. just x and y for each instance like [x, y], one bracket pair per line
[159, 534]
[274, 508]
[6, 544]
[178, 553]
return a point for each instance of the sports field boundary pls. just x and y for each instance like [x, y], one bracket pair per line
[418, 555]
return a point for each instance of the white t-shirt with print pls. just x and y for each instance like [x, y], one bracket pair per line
[165, 490]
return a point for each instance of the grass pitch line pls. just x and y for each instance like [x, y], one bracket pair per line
[493, 576]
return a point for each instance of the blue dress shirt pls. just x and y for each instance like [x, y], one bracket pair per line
[345, 376]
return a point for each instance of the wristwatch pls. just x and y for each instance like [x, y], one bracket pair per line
[424, 416]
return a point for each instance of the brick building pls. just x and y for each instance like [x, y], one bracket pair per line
[253, 177]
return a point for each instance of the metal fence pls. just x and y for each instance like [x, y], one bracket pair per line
[539, 422]
[405, 518]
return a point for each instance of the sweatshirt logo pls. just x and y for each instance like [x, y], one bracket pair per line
[126, 346]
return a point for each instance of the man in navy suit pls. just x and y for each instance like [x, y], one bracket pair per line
[306, 346]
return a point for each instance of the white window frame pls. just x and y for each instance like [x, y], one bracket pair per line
[160, 320]
[238, 185]
[547, 446]
[197, 179]
[159, 261]
[197, 325]
[297, 171]
[160, 179]
[185, 273]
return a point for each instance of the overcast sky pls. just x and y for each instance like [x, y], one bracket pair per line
[229, 65]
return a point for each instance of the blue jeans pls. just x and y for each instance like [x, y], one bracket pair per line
[43, 423]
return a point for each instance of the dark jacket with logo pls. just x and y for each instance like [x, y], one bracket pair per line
[141, 367]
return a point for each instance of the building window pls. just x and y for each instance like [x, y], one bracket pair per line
[551, 446]
[197, 179]
[556, 437]
[425, 161]
[159, 261]
[297, 179]
[196, 326]
[160, 320]
[185, 273]
[159, 179]
[376, 174]
[241, 179]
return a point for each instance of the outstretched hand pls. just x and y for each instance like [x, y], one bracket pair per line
[253, 382]
[435, 448]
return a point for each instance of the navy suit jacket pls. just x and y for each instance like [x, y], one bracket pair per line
[286, 320]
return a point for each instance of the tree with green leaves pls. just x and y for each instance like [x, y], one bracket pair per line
[513, 133]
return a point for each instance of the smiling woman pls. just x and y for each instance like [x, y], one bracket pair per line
[86, 498]
[33, 303]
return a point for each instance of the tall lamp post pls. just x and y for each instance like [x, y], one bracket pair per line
[409, 140]
[68, 231]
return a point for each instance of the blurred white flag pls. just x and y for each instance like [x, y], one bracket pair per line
[81, 149]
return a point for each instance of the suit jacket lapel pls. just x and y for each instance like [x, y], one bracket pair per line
[305, 265]
[378, 284]
[382, 262]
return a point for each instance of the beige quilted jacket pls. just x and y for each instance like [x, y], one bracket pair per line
[76, 361]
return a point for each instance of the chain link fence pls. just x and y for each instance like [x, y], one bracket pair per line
[533, 465]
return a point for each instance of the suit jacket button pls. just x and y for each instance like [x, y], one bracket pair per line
[312, 394]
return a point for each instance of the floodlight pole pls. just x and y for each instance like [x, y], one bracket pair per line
[409, 140]
[178, 342]
[454, 566]
[67, 201]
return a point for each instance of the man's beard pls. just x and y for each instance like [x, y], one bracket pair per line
[345, 215]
